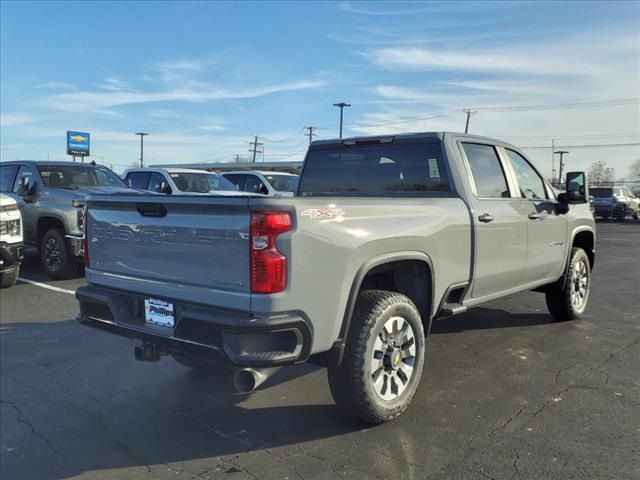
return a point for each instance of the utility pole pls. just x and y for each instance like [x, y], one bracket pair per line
[341, 106]
[236, 158]
[255, 149]
[469, 113]
[310, 134]
[553, 160]
[142, 135]
[562, 153]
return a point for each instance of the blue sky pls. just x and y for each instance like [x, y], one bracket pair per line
[202, 78]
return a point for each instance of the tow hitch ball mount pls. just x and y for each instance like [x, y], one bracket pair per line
[149, 352]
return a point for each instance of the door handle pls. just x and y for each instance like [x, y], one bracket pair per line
[485, 218]
[535, 216]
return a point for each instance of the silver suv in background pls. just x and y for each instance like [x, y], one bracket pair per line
[273, 184]
[615, 201]
[51, 197]
[182, 181]
[10, 241]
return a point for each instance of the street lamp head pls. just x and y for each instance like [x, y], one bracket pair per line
[341, 104]
[561, 152]
[141, 133]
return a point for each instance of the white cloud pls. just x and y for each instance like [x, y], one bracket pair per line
[15, 119]
[57, 86]
[102, 101]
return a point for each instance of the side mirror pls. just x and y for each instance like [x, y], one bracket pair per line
[27, 188]
[577, 188]
[264, 190]
[129, 183]
[164, 188]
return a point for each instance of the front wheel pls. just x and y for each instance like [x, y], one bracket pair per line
[55, 257]
[569, 301]
[383, 359]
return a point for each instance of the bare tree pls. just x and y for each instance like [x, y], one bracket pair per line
[600, 174]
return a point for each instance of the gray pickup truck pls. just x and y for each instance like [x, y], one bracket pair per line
[383, 236]
[51, 196]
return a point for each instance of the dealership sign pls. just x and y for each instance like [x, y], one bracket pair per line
[78, 144]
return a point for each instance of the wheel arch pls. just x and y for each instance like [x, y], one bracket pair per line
[46, 223]
[403, 267]
[585, 239]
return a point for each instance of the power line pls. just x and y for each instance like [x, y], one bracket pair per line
[559, 106]
[588, 146]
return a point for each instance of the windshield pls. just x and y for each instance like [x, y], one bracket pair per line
[201, 182]
[283, 183]
[72, 177]
[601, 192]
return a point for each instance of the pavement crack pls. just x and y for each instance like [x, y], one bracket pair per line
[34, 432]
[506, 422]
[516, 470]
[564, 369]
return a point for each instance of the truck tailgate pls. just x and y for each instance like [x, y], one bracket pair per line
[186, 248]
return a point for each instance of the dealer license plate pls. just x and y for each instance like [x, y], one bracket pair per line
[158, 312]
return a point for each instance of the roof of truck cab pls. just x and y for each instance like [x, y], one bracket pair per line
[168, 170]
[263, 172]
[55, 163]
[415, 136]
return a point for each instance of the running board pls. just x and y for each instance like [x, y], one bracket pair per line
[450, 310]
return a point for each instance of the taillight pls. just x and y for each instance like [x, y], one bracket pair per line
[85, 240]
[268, 265]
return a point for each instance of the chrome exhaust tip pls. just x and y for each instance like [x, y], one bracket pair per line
[248, 379]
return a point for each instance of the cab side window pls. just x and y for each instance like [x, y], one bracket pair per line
[487, 171]
[138, 180]
[23, 171]
[236, 179]
[154, 182]
[7, 173]
[254, 185]
[530, 183]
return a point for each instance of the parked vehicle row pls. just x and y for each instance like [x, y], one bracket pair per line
[383, 236]
[51, 197]
[615, 201]
[179, 181]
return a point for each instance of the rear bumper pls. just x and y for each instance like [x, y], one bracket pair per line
[214, 334]
[11, 255]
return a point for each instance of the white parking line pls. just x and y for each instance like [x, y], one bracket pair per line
[48, 287]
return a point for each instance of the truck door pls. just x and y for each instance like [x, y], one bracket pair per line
[28, 210]
[500, 228]
[546, 231]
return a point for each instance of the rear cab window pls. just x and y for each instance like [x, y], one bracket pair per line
[402, 169]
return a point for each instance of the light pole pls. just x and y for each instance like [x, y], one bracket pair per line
[341, 105]
[142, 135]
[562, 153]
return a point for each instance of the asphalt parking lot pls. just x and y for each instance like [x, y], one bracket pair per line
[506, 394]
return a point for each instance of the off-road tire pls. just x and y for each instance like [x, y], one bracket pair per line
[9, 277]
[59, 265]
[351, 381]
[559, 296]
[621, 214]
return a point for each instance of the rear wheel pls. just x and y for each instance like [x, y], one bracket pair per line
[621, 214]
[8, 278]
[56, 259]
[383, 359]
[568, 302]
